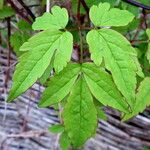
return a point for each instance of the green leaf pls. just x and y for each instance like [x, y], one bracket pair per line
[103, 15]
[118, 56]
[89, 4]
[102, 87]
[17, 39]
[101, 114]
[46, 74]
[23, 25]
[1, 4]
[56, 128]
[59, 43]
[142, 98]
[60, 85]
[80, 115]
[57, 19]
[131, 8]
[64, 141]
[6, 12]
[148, 51]
[39, 52]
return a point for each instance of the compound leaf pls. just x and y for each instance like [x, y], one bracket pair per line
[80, 115]
[142, 98]
[60, 85]
[118, 56]
[103, 15]
[57, 19]
[103, 88]
[39, 52]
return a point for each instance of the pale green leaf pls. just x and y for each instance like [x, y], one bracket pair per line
[46, 74]
[142, 98]
[63, 45]
[39, 52]
[89, 4]
[56, 128]
[80, 115]
[103, 15]
[102, 87]
[64, 141]
[57, 19]
[94, 40]
[148, 51]
[118, 56]
[6, 12]
[60, 85]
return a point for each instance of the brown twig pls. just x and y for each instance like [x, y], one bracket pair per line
[137, 4]
[21, 14]
[9, 51]
[138, 29]
[27, 9]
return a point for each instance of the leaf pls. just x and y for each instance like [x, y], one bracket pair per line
[62, 41]
[1, 4]
[64, 141]
[60, 85]
[56, 128]
[23, 25]
[102, 87]
[118, 56]
[131, 8]
[142, 98]
[89, 4]
[80, 115]
[46, 74]
[39, 52]
[101, 114]
[6, 12]
[58, 19]
[17, 39]
[103, 15]
[148, 51]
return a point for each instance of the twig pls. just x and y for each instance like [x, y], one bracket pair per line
[140, 41]
[85, 6]
[137, 4]
[138, 29]
[27, 9]
[28, 134]
[21, 14]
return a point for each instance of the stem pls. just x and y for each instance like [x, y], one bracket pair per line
[18, 11]
[137, 4]
[47, 5]
[9, 52]
[27, 9]
[139, 28]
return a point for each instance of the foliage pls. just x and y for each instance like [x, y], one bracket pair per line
[112, 77]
